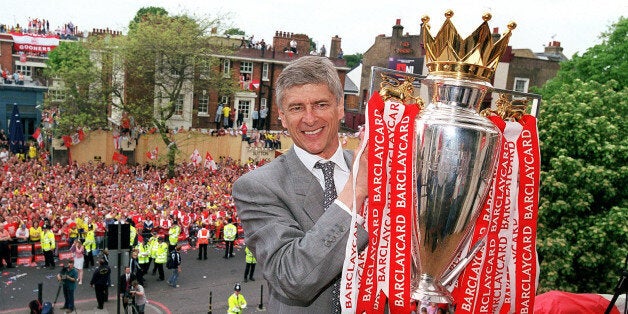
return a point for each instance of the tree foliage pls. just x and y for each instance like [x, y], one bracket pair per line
[146, 73]
[79, 80]
[166, 58]
[353, 60]
[233, 31]
[582, 232]
[143, 13]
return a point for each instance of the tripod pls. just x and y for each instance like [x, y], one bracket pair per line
[622, 287]
[57, 296]
[134, 308]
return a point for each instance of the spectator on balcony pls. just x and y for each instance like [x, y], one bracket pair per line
[218, 115]
[225, 116]
[125, 125]
[240, 118]
[293, 46]
[5, 76]
[262, 118]
[255, 117]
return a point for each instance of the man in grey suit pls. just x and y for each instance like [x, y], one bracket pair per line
[299, 243]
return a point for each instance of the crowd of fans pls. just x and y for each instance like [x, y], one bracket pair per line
[41, 26]
[34, 194]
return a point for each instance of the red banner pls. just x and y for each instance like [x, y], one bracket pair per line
[34, 42]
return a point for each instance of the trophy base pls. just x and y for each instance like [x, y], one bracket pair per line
[429, 290]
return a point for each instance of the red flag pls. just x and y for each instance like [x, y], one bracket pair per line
[195, 157]
[67, 140]
[75, 139]
[120, 158]
[209, 162]
[81, 135]
[254, 85]
[39, 137]
[152, 155]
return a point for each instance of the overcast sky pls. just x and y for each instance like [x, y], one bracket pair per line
[577, 24]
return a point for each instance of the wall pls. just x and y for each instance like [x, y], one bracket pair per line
[98, 145]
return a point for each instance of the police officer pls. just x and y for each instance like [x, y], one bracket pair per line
[48, 246]
[230, 231]
[236, 301]
[161, 257]
[173, 235]
[250, 265]
[101, 279]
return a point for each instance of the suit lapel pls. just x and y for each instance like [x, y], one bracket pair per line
[307, 189]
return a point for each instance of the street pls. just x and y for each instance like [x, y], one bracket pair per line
[198, 278]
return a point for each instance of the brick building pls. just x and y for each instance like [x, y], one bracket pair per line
[258, 70]
[518, 70]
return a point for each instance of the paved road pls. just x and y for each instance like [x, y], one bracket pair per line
[18, 286]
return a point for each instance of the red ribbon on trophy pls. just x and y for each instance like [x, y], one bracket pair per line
[401, 205]
[387, 266]
[502, 276]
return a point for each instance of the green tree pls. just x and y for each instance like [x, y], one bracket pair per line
[353, 60]
[165, 59]
[234, 31]
[143, 13]
[77, 77]
[582, 232]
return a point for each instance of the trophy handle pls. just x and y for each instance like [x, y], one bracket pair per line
[453, 274]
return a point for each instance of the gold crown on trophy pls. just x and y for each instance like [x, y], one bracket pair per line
[475, 57]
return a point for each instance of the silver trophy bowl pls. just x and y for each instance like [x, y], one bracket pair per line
[455, 157]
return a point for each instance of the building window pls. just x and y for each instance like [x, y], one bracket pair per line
[203, 104]
[224, 100]
[521, 84]
[26, 70]
[246, 67]
[244, 107]
[262, 103]
[226, 67]
[246, 73]
[178, 106]
[56, 95]
[265, 71]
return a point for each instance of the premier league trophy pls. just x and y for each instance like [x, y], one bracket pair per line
[455, 155]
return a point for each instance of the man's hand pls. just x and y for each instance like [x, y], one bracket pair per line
[361, 189]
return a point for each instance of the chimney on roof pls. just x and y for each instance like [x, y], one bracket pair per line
[397, 31]
[334, 49]
[495, 35]
[554, 48]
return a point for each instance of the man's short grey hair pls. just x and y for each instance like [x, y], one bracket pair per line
[309, 70]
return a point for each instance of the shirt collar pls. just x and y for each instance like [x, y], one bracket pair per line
[310, 160]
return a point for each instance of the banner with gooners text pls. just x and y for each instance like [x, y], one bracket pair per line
[501, 277]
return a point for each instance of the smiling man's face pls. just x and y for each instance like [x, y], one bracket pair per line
[312, 116]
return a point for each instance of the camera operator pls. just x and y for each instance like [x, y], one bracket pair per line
[139, 297]
[68, 278]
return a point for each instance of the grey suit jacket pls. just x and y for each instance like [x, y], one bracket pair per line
[299, 245]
